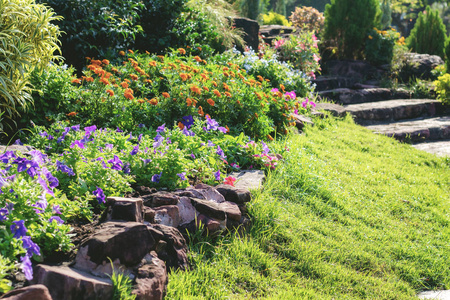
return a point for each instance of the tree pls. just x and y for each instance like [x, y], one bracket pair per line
[347, 23]
[386, 17]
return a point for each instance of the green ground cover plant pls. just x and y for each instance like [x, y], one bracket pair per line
[350, 215]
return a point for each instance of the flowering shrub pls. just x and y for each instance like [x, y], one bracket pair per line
[307, 18]
[301, 50]
[380, 45]
[273, 18]
[443, 88]
[153, 90]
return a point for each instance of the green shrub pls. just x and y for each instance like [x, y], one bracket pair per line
[346, 25]
[272, 18]
[386, 14]
[447, 53]
[443, 88]
[307, 18]
[28, 40]
[380, 46]
[429, 34]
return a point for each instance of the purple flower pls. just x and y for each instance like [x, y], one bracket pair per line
[57, 219]
[211, 124]
[18, 142]
[188, 121]
[182, 175]
[222, 129]
[56, 210]
[63, 168]
[158, 140]
[161, 128]
[220, 152]
[217, 175]
[3, 214]
[187, 132]
[135, 150]
[119, 130]
[43, 134]
[5, 157]
[89, 130]
[265, 148]
[234, 165]
[116, 163]
[18, 229]
[44, 185]
[10, 207]
[192, 155]
[210, 144]
[77, 143]
[50, 137]
[140, 137]
[41, 205]
[146, 161]
[30, 246]
[27, 267]
[75, 127]
[274, 90]
[24, 164]
[130, 137]
[126, 168]
[156, 177]
[52, 180]
[291, 95]
[99, 195]
[109, 146]
[38, 156]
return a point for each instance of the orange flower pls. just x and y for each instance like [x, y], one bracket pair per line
[282, 87]
[182, 51]
[217, 93]
[89, 79]
[226, 87]
[96, 62]
[76, 80]
[105, 62]
[104, 81]
[197, 58]
[134, 76]
[228, 129]
[206, 88]
[161, 57]
[124, 84]
[152, 63]
[115, 70]
[153, 101]
[204, 76]
[227, 94]
[210, 102]
[110, 92]
[200, 111]
[180, 125]
[72, 114]
[195, 89]
[122, 53]
[183, 76]
[148, 81]
[131, 51]
[260, 78]
[270, 137]
[165, 95]
[129, 94]
[258, 95]
[214, 83]
[226, 74]
[140, 101]
[188, 101]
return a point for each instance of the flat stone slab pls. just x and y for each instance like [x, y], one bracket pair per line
[335, 109]
[416, 130]
[437, 295]
[249, 179]
[351, 96]
[441, 148]
[391, 110]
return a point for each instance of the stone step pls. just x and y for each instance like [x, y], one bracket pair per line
[334, 82]
[392, 110]
[417, 130]
[439, 148]
[355, 96]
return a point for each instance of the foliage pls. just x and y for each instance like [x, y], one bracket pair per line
[301, 51]
[308, 18]
[28, 40]
[273, 18]
[379, 48]
[122, 285]
[346, 25]
[386, 14]
[428, 35]
[5, 268]
[155, 90]
[447, 53]
[443, 88]
[250, 8]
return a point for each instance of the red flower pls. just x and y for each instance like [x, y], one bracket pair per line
[229, 180]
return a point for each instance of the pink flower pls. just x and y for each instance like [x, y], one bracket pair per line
[229, 180]
[316, 58]
[279, 43]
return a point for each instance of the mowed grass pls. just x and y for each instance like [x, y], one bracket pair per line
[349, 215]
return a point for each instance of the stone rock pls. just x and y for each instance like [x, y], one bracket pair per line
[212, 226]
[335, 109]
[32, 292]
[124, 209]
[209, 208]
[160, 199]
[186, 210]
[301, 121]
[70, 284]
[351, 69]
[22, 148]
[234, 194]
[251, 30]
[423, 64]
[232, 210]
[152, 279]
[270, 32]
[167, 215]
[126, 241]
[149, 214]
[249, 179]
[174, 252]
[210, 193]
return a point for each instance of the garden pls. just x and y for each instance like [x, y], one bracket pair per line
[107, 99]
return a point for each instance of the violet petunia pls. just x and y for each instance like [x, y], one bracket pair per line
[18, 229]
[99, 195]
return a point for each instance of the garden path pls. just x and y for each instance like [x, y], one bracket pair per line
[423, 122]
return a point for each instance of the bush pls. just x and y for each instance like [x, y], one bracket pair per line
[307, 18]
[272, 18]
[443, 88]
[447, 54]
[380, 46]
[429, 34]
[346, 25]
[29, 40]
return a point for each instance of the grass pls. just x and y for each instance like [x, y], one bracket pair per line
[349, 215]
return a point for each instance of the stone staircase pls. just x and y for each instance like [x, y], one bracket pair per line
[423, 122]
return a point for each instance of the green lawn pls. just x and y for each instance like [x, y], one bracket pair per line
[349, 215]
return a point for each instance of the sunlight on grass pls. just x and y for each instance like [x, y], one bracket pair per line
[349, 215]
